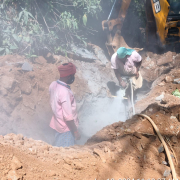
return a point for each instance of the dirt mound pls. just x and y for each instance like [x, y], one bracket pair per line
[161, 92]
[107, 154]
[154, 65]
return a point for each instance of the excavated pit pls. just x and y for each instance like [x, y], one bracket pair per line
[25, 107]
[25, 110]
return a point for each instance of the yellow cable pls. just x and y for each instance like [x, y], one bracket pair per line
[164, 144]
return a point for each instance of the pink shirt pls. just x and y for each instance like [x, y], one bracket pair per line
[129, 62]
[63, 106]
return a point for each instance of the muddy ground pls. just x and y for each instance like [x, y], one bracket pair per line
[128, 149]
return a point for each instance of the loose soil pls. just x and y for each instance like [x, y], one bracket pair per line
[121, 150]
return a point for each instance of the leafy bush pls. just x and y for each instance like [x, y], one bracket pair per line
[31, 26]
[139, 9]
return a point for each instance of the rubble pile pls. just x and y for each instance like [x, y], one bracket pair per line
[154, 65]
[161, 91]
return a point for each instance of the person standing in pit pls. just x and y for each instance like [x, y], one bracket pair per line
[65, 119]
[126, 62]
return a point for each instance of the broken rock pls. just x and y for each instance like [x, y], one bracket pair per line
[12, 175]
[25, 87]
[177, 81]
[8, 82]
[168, 79]
[40, 60]
[161, 148]
[165, 59]
[27, 67]
[174, 139]
[16, 164]
[166, 173]
[159, 98]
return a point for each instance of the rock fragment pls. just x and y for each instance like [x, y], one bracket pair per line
[27, 67]
[12, 175]
[159, 98]
[174, 139]
[166, 173]
[8, 82]
[16, 164]
[161, 148]
[164, 162]
[168, 79]
[167, 58]
[173, 117]
[40, 60]
[25, 87]
[177, 81]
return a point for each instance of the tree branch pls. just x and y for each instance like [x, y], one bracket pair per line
[43, 17]
[62, 4]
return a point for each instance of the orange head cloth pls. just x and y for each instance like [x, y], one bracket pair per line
[67, 69]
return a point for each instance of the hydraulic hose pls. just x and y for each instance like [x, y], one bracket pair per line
[132, 97]
[111, 10]
[164, 144]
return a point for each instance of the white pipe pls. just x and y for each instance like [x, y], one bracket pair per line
[132, 102]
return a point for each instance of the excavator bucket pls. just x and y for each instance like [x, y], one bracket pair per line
[113, 29]
[162, 27]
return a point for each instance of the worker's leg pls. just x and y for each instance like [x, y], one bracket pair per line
[64, 139]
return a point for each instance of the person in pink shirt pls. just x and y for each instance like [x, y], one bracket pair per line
[126, 62]
[65, 119]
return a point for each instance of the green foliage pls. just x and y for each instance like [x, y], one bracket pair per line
[139, 10]
[176, 93]
[85, 19]
[31, 27]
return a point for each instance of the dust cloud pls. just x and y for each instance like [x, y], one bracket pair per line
[100, 112]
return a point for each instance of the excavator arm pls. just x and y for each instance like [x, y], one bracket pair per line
[113, 28]
[162, 25]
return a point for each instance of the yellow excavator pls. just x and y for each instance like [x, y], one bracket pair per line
[162, 26]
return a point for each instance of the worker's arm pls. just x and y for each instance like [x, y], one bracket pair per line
[118, 76]
[71, 125]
